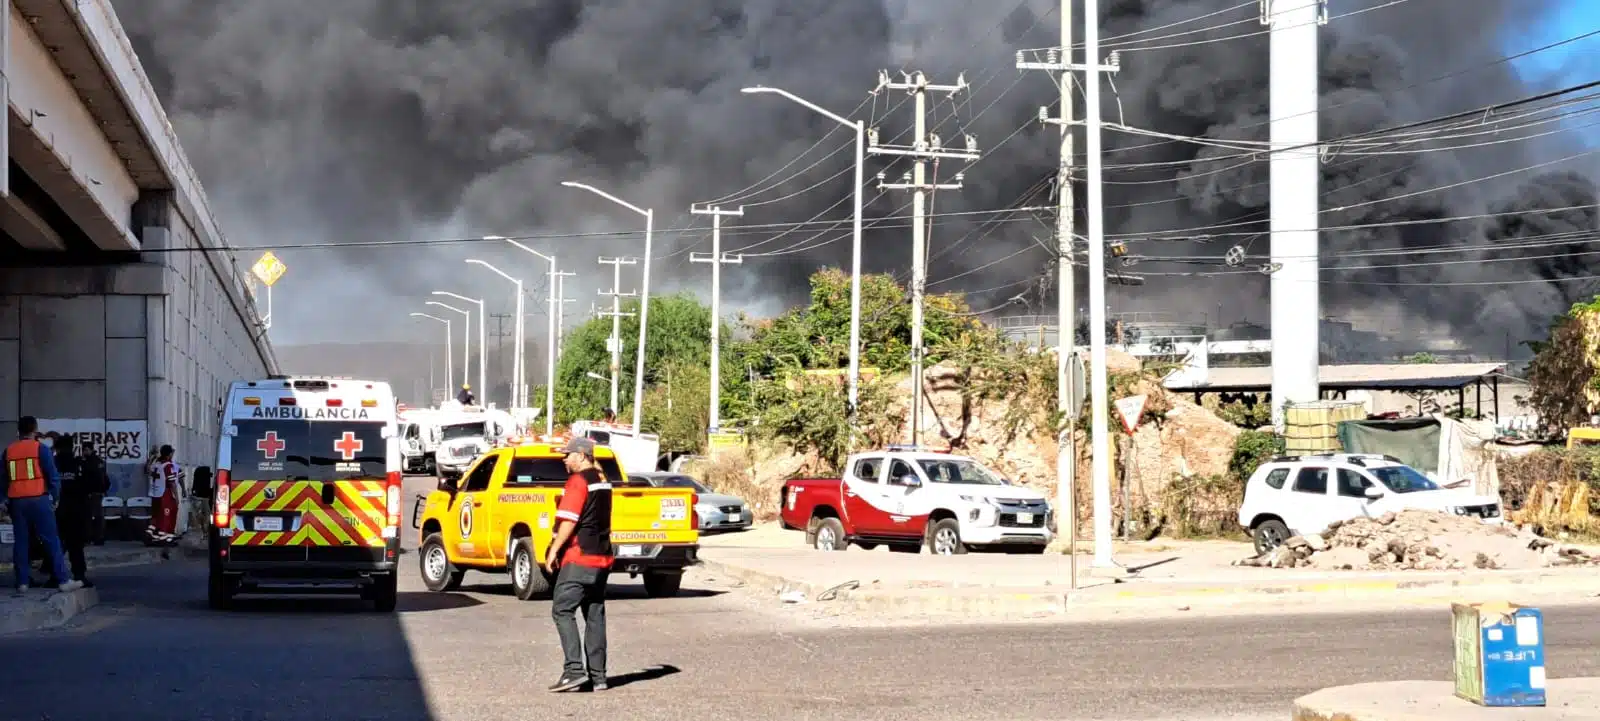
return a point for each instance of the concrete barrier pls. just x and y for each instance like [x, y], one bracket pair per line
[41, 609]
[1571, 699]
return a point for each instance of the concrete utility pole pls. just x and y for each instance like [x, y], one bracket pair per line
[860, 128]
[1060, 60]
[925, 147]
[614, 343]
[716, 258]
[644, 294]
[1100, 405]
[1296, 296]
[466, 339]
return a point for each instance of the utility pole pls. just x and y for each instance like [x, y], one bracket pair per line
[1293, 167]
[924, 147]
[614, 343]
[717, 259]
[1060, 60]
[1100, 407]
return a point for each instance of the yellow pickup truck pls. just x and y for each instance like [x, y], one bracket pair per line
[499, 516]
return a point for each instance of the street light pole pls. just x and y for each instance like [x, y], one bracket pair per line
[517, 373]
[550, 342]
[466, 339]
[855, 245]
[644, 295]
[483, 368]
[449, 363]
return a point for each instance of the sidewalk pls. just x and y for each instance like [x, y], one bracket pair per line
[1569, 699]
[45, 608]
[1170, 574]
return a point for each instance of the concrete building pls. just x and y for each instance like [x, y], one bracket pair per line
[124, 314]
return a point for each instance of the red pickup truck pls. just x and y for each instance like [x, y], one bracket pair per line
[905, 499]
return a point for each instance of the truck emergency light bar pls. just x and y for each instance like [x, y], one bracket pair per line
[331, 402]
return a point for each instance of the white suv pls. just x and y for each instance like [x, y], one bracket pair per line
[1296, 495]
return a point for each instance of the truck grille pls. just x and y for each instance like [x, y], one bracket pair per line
[1009, 520]
[1487, 510]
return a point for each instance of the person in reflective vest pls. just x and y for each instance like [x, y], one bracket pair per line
[581, 550]
[32, 488]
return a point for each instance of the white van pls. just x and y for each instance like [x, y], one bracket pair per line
[307, 489]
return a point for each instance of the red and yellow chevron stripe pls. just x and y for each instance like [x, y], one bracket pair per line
[356, 518]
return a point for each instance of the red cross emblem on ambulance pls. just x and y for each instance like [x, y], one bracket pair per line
[270, 445]
[348, 446]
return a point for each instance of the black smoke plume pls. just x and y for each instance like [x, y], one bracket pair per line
[361, 120]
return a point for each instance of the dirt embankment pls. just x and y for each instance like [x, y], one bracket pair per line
[1423, 541]
[1177, 439]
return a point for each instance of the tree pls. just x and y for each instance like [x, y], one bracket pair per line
[1563, 387]
[679, 334]
[678, 407]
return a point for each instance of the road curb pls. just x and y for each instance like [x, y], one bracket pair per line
[36, 613]
[1570, 699]
[989, 600]
[133, 557]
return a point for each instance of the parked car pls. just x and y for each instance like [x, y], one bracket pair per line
[1296, 495]
[905, 499]
[717, 511]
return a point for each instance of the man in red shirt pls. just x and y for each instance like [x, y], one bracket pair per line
[581, 550]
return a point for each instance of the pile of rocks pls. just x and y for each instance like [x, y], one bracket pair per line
[1420, 540]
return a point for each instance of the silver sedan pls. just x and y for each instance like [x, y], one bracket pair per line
[717, 511]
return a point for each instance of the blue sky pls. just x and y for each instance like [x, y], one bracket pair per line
[1567, 64]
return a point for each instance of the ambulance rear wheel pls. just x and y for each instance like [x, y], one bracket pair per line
[438, 573]
[528, 579]
[386, 592]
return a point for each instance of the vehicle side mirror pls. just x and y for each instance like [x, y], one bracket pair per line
[449, 485]
[1372, 493]
[910, 481]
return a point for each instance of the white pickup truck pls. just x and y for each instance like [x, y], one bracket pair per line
[907, 499]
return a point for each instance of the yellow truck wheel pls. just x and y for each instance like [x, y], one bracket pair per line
[528, 579]
[438, 573]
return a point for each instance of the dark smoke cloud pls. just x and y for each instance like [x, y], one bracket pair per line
[382, 119]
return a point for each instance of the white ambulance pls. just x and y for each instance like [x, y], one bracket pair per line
[307, 490]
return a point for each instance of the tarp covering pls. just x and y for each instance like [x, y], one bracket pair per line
[1415, 441]
[1445, 449]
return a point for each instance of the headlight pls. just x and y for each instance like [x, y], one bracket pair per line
[1458, 510]
[985, 500]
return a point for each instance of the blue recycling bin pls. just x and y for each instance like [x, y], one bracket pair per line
[1499, 654]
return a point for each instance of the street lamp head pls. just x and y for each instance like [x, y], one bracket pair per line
[755, 89]
[571, 184]
[495, 237]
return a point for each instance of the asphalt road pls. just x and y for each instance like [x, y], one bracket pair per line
[153, 651]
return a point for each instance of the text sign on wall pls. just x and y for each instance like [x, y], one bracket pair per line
[125, 445]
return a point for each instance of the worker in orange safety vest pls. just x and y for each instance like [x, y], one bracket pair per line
[32, 489]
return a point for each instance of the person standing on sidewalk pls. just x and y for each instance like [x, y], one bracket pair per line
[163, 528]
[32, 489]
[581, 549]
[79, 492]
[92, 469]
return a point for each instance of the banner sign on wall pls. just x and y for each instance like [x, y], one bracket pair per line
[124, 445]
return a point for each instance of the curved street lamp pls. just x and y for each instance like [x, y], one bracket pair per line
[449, 362]
[483, 372]
[644, 295]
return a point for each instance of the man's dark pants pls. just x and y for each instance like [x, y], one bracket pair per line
[72, 522]
[581, 588]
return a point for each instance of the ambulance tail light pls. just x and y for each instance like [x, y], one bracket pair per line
[369, 403]
[286, 401]
[221, 514]
[335, 402]
[392, 498]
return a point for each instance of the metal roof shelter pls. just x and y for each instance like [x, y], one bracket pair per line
[1402, 377]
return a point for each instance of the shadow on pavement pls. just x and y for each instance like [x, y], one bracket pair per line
[153, 651]
[614, 591]
[650, 674]
[410, 602]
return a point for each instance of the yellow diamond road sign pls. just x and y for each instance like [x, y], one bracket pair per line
[269, 269]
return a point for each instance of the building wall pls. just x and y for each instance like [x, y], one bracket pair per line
[156, 340]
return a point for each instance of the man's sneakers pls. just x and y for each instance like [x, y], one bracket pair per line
[568, 683]
[70, 586]
[597, 684]
[20, 592]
